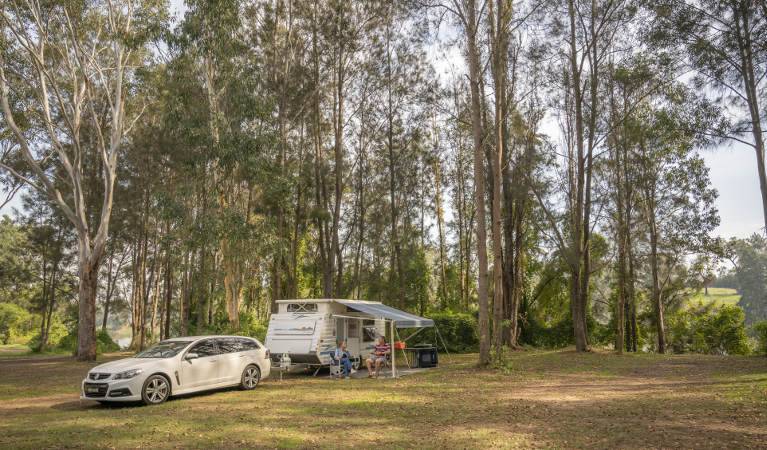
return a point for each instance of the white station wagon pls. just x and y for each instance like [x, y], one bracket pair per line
[179, 366]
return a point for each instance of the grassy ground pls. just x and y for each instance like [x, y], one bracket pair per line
[547, 399]
[13, 349]
[718, 296]
[17, 350]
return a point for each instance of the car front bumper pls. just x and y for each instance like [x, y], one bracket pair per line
[112, 390]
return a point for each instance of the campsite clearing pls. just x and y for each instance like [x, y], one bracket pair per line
[547, 398]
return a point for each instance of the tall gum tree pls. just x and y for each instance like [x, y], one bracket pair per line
[71, 57]
[724, 44]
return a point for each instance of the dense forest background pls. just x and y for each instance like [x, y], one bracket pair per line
[545, 187]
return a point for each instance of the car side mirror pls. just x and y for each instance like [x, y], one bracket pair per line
[191, 356]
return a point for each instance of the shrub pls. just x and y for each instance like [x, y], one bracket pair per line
[56, 333]
[703, 329]
[760, 329]
[104, 342]
[14, 321]
[459, 330]
[560, 334]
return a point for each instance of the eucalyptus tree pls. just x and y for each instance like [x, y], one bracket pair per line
[401, 79]
[749, 258]
[724, 43]
[673, 188]
[469, 15]
[587, 35]
[235, 145]
[49, 247]
[66, 59]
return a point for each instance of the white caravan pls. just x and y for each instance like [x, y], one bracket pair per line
[309, 330]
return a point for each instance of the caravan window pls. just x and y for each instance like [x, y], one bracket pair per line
[370, 333]
[302, 307]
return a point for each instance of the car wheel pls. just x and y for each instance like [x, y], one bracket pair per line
[250, 377]
[156, 390]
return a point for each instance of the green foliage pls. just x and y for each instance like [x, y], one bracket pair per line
[760, 329]
[57, 332]
[704, 329]
[560, 334]
[751, 266]
[104, 342]
[14, 262]
[459, 330]
[249, 326]
[14, 321]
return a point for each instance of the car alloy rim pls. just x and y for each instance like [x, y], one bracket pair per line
[251, 377]
[157, 390]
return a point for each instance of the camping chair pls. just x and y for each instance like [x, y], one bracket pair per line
[336, 369]
[386, 364]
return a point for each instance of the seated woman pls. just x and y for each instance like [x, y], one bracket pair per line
[341, 356]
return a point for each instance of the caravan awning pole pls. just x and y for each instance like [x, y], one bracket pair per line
[393, 358]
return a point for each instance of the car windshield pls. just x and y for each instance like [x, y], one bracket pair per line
[164, 349]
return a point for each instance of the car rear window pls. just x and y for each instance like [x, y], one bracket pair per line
[249, 344]
[234, 344]
[229, 345]
[205, 348]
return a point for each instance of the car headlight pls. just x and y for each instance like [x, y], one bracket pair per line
[127, 374]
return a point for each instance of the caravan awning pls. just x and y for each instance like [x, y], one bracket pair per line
[401, 318]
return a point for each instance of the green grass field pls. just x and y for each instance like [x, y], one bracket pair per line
[13, 349]
[548, 399]
[718, 296]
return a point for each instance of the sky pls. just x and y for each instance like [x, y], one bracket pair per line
[732, 170]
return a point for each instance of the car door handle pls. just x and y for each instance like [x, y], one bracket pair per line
[243, 356]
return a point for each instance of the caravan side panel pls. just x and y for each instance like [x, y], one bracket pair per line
[296, 335]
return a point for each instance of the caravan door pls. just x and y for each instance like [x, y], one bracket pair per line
[353, 336]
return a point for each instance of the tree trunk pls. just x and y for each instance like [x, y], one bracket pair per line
[656, 295]
[442, 256]
[750, 82]
[621, 229]
[338, 150]
[579, 277]
[183, 309]
[631, 297]
[168, 296]
[396, 257]
[479, 182]
[499, 49]
[86, 296]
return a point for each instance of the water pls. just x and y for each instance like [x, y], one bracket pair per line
[123, 342]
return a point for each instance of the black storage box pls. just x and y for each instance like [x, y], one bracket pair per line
[427, 357]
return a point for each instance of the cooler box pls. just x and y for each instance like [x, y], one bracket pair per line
[427, 357]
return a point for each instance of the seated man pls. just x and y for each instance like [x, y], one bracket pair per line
[379, 357]
[341, 356]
